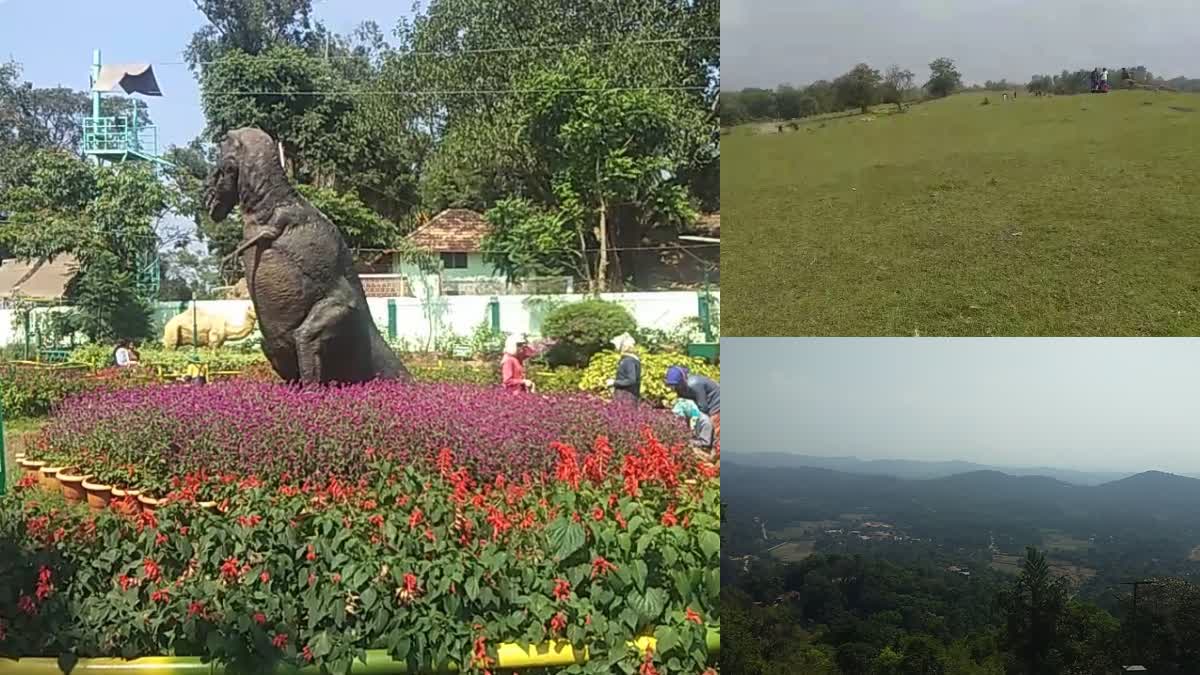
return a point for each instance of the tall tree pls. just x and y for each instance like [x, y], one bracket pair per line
[105, 218]
[858, 88]
[944, 78]
[1034, 606]
[896, 83]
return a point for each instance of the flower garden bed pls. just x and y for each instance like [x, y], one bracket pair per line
[433, 522]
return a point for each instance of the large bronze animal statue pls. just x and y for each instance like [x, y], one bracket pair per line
[212, 330]
[311, 307]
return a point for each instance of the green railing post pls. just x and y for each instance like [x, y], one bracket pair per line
[3, 456]
[494, 313]
[705, 298]
[391, 326]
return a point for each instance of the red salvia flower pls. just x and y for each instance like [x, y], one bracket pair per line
[415, 517]
[161, 595]
[196, 608]
[668, 517]
[600, 566]
[153, 572]
[562, 589]
[312, 554]
[280, 640]
[265, 577]
[557, 623]
[692, 616]
[27, 605]
[307, 654]
[260, 618]
[229, 568]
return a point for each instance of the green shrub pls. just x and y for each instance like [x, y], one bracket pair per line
[654, 370]
[226, 358]
[583, 328]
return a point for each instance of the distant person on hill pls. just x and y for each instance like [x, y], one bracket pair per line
[627, 385]
[512, 364]
[704, 391]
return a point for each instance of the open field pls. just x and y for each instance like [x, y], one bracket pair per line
[803, 528]
[1011, 564]
[1053, 540]
[1071, 215]
[793, 551]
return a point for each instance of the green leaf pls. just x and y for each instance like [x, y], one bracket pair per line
[710, 543]
[321, 645]
[666, 639]
[648, 605]
[565, 536]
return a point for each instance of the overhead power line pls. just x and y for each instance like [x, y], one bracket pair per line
[482, 50]
[452, 92]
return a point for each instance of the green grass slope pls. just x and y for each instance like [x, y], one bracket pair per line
[1071, 215]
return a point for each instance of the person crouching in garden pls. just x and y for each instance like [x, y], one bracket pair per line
[700, 424]
[512, 364]
[703, 390]
[627, 385]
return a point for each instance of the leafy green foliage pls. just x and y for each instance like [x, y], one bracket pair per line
[859, 87]
[105, 218]
[944, 78]
[528, 241]
[603, 366]
[584, 328]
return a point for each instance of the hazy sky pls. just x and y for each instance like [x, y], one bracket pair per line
[768, 42]
[1100, 404]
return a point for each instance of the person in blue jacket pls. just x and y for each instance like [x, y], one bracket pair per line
[703, 390]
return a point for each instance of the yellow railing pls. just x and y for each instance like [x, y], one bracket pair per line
[509, 657]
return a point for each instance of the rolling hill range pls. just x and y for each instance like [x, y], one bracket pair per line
[907, 468]
[1145, 503]
[1065, 215]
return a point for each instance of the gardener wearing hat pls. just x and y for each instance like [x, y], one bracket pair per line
[705, 392]
[512, 364]
[627, 385]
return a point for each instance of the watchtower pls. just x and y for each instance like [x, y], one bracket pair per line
[122, 137]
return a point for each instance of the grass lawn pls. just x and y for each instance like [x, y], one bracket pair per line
[1069, 215]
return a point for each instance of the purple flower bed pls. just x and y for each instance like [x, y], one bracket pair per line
[144, 436]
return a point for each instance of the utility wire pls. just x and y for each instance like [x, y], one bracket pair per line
[450, 92]
[463, 52]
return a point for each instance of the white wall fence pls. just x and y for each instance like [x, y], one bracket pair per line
[421, 322]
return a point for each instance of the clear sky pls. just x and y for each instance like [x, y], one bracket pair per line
[53, 40]
[1093, 404]
[765, 43]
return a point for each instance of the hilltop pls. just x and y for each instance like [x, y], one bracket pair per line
[1064, 215]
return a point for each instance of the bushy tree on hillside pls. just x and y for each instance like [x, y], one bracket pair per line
[944, 77]
[858, 88]
[895, 83]
[787, 101]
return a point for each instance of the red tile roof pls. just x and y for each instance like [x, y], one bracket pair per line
[459, 230]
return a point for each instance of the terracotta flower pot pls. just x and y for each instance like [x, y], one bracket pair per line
[72, 484]
[125, 501]
[150, 504]
[98, 495]
[50, 477]
[32, 466]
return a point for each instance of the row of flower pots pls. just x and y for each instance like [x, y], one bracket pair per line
[76, 486]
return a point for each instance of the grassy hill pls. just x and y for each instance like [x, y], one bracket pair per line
[1070, 215]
